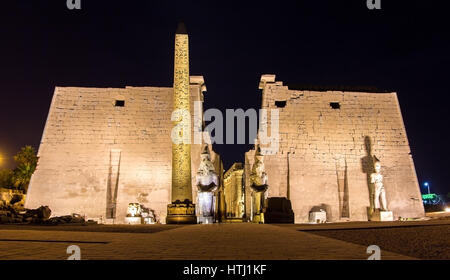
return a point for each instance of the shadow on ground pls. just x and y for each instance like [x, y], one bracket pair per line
[423, 242]
[94, 228]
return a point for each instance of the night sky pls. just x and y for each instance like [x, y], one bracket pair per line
[403, 47]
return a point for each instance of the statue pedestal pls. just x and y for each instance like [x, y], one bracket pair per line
[205, 207]
[133, 220]
[258, 203]
[148, 221]
[205, 220]
[258, 218]
[181, 213]
[318, 217]
[382, 216]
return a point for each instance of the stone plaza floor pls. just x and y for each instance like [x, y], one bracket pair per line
[236, 241]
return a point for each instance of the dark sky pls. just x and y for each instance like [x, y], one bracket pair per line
[403, 47]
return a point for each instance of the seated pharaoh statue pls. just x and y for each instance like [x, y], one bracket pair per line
[258, 176]
[207, 183]
[259, 185]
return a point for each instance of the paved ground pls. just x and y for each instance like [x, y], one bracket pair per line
[366, 225]
[93, 228]
[217, 241]
[423, 242]
[419, 239]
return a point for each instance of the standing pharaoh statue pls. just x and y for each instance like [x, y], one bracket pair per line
[207, 182]
[380, 193]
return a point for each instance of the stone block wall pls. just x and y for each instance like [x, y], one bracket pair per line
[234, 195]
[97, 156]
[328, 140]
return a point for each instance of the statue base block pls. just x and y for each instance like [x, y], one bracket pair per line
[133, 220]
[233, 220]
[382, 216]
[181, 213]
[318, 217]
[148, 221]
[205, 220]
[258, 218]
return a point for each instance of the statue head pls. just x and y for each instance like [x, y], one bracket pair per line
[377, 166]
[258, 155]
[205, 156]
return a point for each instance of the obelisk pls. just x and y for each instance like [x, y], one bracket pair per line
[181, 210]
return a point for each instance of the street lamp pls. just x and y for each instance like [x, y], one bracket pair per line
[427, 186]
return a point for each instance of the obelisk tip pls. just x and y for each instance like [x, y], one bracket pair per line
[181, 29]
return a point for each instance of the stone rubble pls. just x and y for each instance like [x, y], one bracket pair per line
[41, 216]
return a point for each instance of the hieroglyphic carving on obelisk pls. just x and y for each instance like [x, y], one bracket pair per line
[182, 210]
[181, 153]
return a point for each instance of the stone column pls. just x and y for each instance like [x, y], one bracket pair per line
[182, 210]
[239, 211]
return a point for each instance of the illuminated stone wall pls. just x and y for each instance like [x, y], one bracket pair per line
[328, 140]
[95, 156]
[233, 191]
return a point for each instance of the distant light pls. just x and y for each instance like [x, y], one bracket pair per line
[425, 184]
[429, 196]
[447, 209]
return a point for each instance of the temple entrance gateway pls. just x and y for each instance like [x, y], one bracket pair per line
[122, 151]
